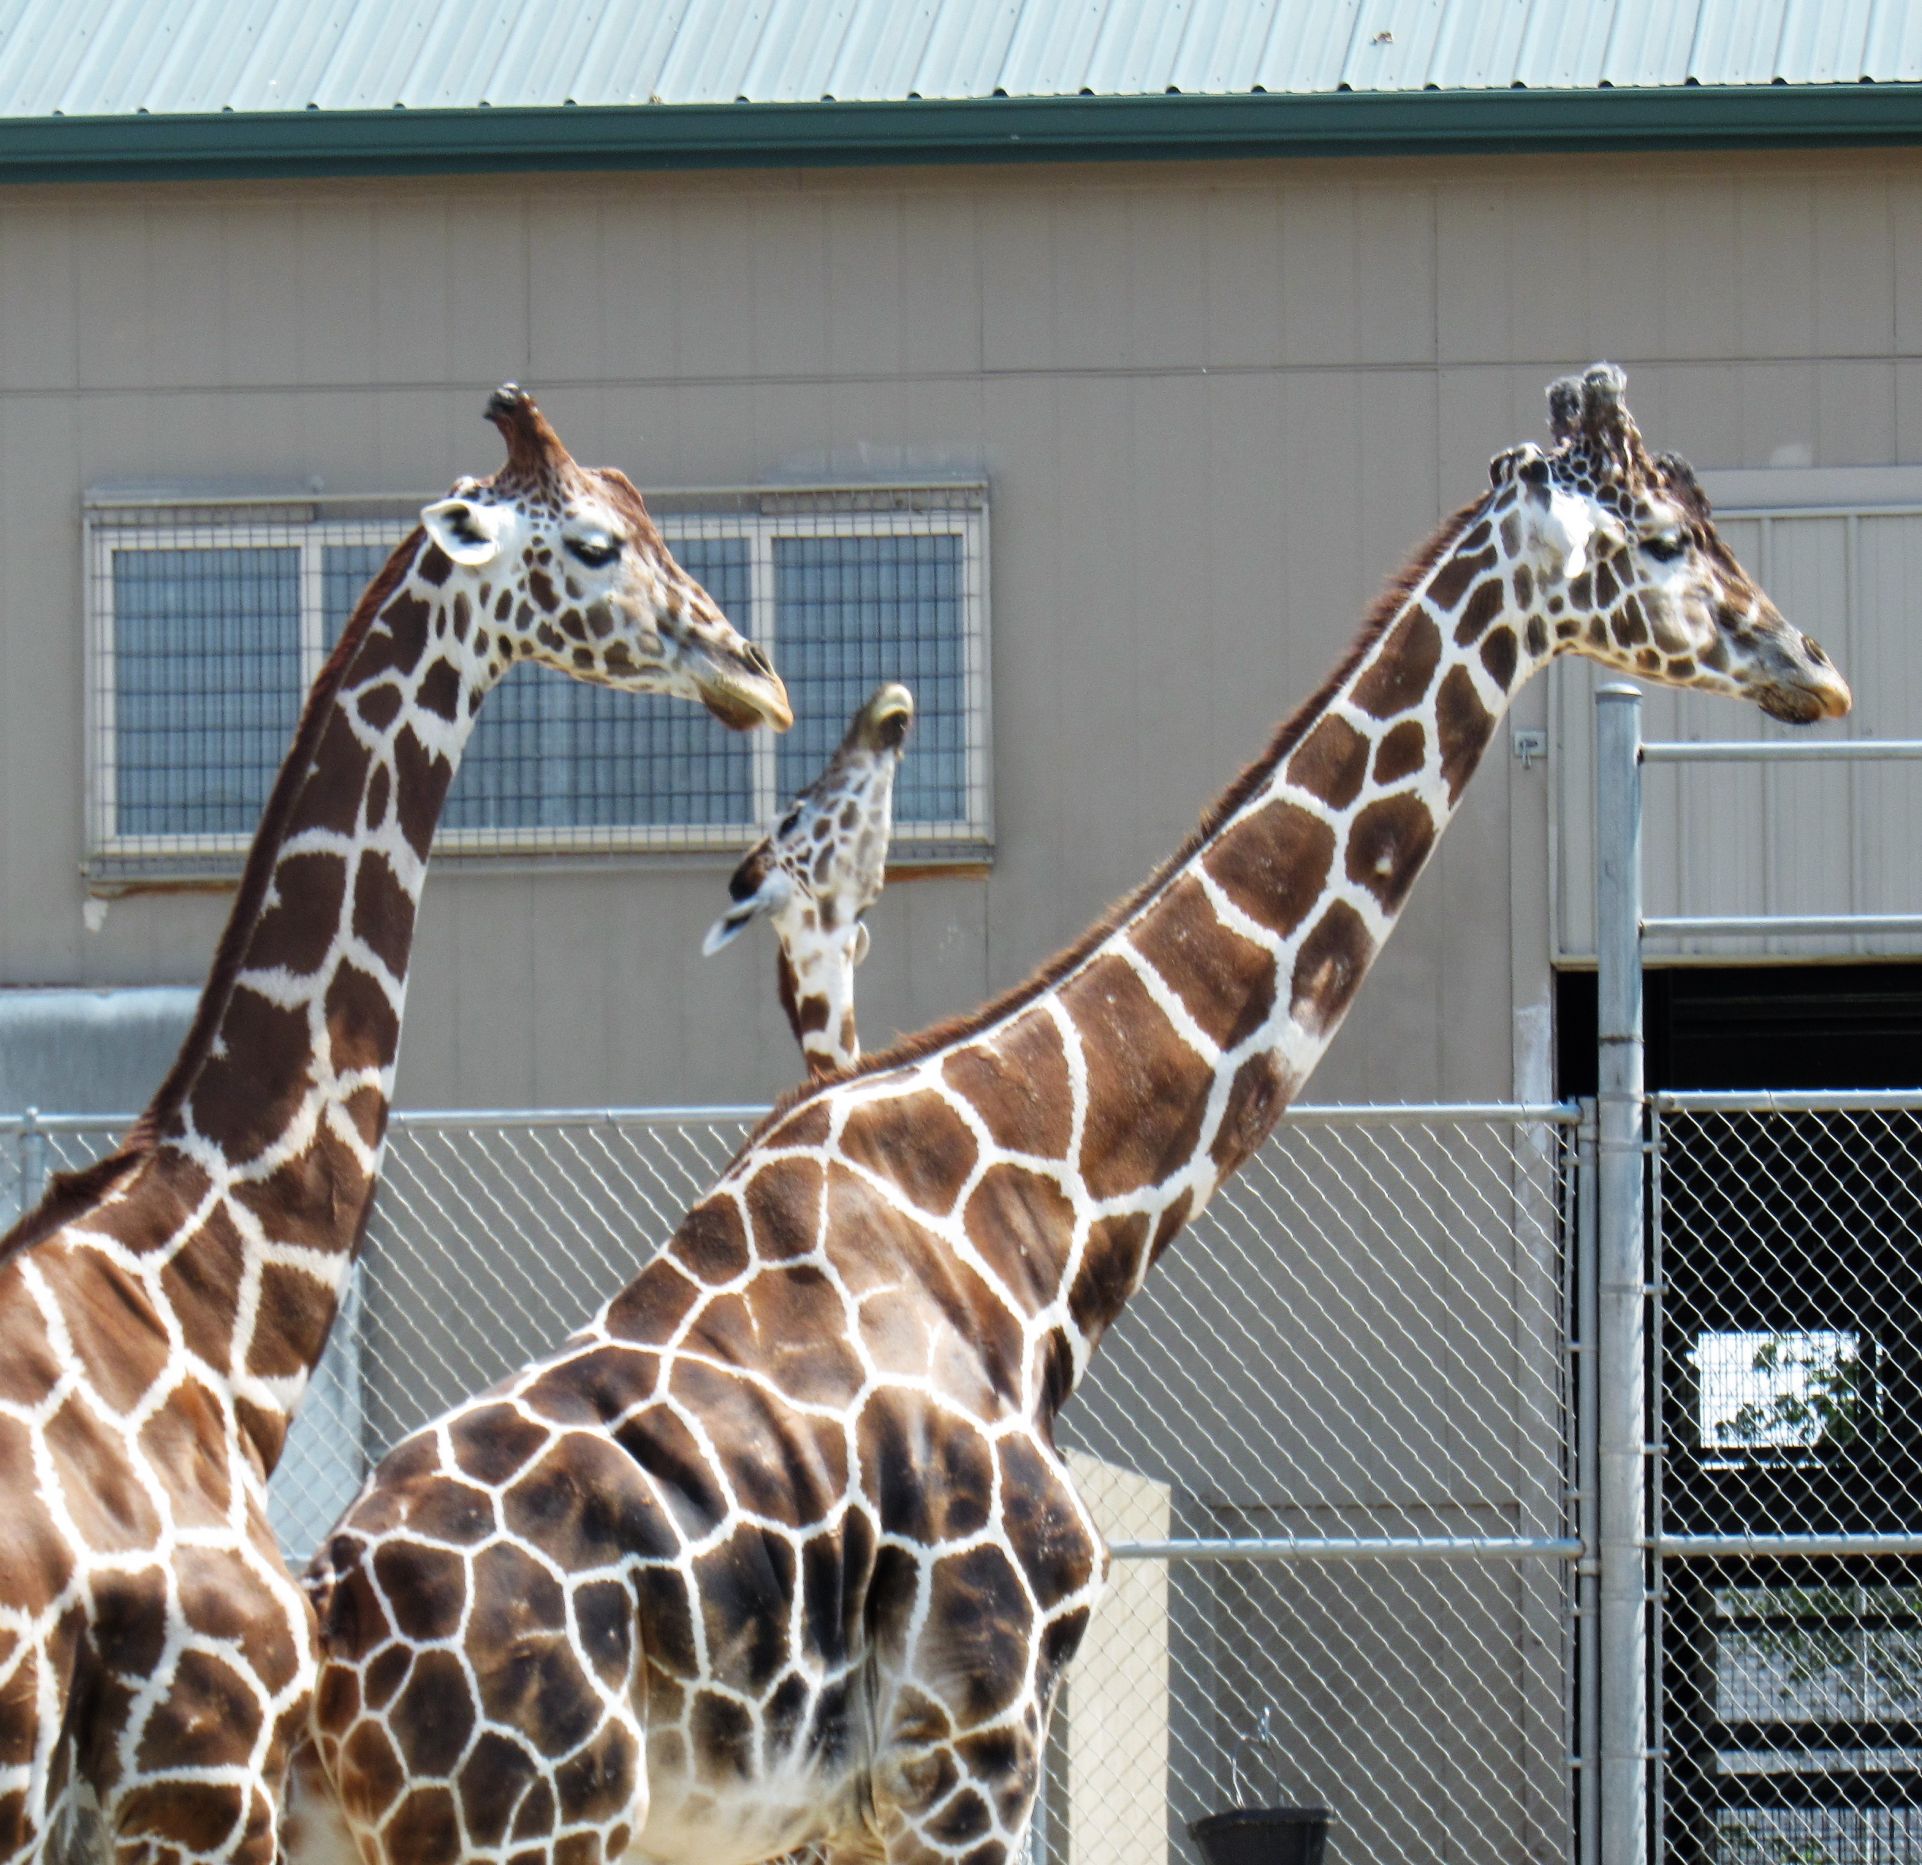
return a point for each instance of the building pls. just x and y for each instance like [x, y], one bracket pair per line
[1133, 347]
[1222, 309]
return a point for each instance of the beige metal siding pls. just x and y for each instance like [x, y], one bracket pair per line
[1217, 406]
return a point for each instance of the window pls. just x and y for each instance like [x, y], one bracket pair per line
[208, 621]
[1785, 1391]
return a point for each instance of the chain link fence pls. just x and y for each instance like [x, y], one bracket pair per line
[1787, 1239]
[1335, 1445]
[1331, 1443]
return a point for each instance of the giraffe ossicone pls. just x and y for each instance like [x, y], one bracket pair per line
[816, 874]
[161, 1311]
[777, 1552]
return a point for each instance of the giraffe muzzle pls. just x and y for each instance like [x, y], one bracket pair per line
[740, 687]
[883, 721]
[1806, 687]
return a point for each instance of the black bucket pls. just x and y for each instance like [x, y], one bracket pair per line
[1262, 1836]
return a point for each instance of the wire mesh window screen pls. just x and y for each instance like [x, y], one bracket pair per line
[195, 755]
[208, 624]
[856, 611]
[1790, 1343]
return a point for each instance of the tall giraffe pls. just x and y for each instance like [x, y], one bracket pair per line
[777, 1553]
[161, 1311]
[818, 873]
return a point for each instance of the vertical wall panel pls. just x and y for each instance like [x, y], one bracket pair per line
[38, 335]
[941, 290]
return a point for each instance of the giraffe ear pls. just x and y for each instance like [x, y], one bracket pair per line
[1567, 530]
[469, 532]
[861, 940]
[729, 927]
[1524, 461]
[769, 896]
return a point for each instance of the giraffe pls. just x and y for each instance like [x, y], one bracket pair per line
[818, 873]
[161, 1311]
[776, 1556]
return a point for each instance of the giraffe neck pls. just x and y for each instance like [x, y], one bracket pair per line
[274, 1115]
[1104, 1105]
[1201, 1016]
[817, 992]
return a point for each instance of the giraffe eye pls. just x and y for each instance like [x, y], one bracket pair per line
[1664, 546]
[596, 549]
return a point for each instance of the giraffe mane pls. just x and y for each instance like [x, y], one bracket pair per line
[70, 1193]
[937, 1036]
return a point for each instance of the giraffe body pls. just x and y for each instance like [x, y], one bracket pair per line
[817, 874]
[776, 1553]
[161, 1311]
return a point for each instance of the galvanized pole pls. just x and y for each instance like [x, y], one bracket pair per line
[1588, 1615]
[1621, 1346]
[33, 1161]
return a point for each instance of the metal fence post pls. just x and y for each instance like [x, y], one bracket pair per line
[1621, 1346]
[1588, 1644]
[33, 1160]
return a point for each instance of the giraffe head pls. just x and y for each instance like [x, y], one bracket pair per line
[1614, 555]
[820, 871]
[564, 565]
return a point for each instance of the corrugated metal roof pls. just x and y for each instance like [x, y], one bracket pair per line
[122, 57]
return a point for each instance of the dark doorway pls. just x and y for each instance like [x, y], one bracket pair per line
[1758, 1026]
[1789, 1373]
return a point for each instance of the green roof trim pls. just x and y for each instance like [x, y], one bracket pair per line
[396, 142]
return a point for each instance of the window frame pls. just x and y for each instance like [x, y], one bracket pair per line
[310, 522]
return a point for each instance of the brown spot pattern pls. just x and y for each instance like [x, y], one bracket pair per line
[1387, 844]
[1463, 726]
[1274, 865]
[1143, 1109]
[1398, 677]
[1018, 1083]
[1226, 981]
[1332, 762]
[1402, 752]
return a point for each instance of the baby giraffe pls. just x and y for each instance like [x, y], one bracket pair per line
[817, 875]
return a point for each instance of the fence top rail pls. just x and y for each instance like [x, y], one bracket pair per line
[1559, 1113]
[1792, 1101]
[1779, 925]
[1778, 751]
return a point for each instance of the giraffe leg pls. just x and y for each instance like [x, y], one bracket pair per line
[313, 1830]
[203, 1729]
[533, 1744]
[954, 1794]
[36, 1693]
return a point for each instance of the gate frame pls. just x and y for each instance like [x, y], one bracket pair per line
[1630, 1546]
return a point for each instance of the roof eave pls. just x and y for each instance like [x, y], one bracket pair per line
[400, 141]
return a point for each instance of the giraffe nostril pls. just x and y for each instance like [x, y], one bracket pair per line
[758, 660]
[1815, 651]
